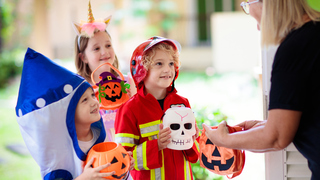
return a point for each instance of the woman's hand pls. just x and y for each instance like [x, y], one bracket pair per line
[90, 173]
[164, 136]
[217, 136]
[251, 124]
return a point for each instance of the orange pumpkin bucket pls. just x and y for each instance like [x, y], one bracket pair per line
[113, 153]
[112, 90]
[221, 160]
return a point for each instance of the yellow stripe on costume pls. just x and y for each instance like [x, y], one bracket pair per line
[127, 139]
[149, 124]
[150, 134]
[197, 145]
[149, 129]
[144, 154]
[127, 135]
[187, 173]
[140, 156]
[127, 144]
[189, 170]
[152, 174]
[184, 167]
[134, 155]
[162, 168]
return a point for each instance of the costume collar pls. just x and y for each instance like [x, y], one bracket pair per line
[142, 90]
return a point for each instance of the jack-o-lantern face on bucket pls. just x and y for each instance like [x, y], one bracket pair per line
[112, 90]
[221, 160]
[215, 160]
[113, 153]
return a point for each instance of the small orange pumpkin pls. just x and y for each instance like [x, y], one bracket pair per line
[221, 160]
[112, 91]
[113, 153]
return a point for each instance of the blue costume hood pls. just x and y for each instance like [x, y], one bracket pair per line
[47, 100]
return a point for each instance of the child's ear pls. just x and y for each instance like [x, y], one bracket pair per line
[82, 57]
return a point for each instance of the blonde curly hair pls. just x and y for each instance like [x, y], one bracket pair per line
[165, 46]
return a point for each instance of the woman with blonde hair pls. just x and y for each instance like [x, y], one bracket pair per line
[294, 106]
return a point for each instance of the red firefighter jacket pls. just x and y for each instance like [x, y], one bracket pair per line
[137, 127]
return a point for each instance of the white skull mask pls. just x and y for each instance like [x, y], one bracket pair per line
[182, 125]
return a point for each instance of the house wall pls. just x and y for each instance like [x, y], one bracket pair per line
[61, 16]
[54, 35]
[235, 42]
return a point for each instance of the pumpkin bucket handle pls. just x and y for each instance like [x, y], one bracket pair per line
[115, 69]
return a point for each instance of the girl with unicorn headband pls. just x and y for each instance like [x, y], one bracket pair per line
[96, 61]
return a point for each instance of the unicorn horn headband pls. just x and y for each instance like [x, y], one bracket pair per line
[88, 28]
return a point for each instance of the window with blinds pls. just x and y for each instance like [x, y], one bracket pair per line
[295, 165]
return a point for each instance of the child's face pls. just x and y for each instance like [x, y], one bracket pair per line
[161, 71]
[87, 111]
[99, 50]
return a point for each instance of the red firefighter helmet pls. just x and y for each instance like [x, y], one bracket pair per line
[137, 69]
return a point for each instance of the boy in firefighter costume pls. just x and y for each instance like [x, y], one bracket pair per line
[48, 97]
[154, 67]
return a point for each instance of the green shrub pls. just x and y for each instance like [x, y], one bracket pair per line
[212, 118]
[10, 67]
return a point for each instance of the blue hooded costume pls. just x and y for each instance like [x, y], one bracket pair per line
[48, 96]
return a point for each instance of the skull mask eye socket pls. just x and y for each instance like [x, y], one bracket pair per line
[188, 126]
[175, 126]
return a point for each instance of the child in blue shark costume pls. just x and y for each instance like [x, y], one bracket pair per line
[46, 109]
